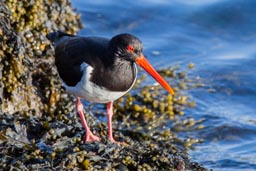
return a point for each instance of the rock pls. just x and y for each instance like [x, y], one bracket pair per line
[29, 81]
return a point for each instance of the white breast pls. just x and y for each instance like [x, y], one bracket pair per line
[89, 91]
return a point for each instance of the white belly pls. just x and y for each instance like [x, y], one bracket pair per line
[91, 92]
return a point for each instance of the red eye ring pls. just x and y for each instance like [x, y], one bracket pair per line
[130, 48]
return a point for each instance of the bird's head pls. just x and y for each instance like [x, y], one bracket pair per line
[128, 47]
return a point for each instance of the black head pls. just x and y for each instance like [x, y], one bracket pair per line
[126, 46]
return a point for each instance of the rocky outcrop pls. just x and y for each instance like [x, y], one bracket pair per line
[28, 81]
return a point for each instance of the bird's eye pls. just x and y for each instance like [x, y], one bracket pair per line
[130, 48]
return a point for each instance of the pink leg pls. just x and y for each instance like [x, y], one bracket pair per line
[109, 115]
[89, 135]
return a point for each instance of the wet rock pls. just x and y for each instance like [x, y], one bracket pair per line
[28, 81]
[43, 152]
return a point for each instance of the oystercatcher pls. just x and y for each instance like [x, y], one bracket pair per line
[99, 70]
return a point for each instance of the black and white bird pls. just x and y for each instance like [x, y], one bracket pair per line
[100, 70]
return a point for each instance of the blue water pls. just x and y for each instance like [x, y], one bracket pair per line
[219, 37]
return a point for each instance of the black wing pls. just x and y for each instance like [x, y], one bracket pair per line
[71, 51]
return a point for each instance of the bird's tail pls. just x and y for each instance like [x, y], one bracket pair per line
[56, 36]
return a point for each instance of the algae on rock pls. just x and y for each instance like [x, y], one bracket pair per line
[28, 78]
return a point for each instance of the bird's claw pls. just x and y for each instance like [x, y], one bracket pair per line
[116, 142]
[90, 137]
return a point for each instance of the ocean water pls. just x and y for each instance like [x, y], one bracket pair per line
[219, 37]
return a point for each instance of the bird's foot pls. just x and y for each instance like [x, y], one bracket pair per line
[112, 140]
[90, 137]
